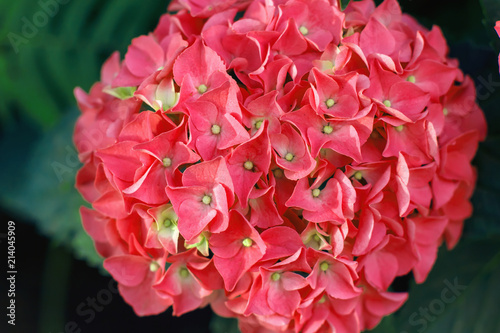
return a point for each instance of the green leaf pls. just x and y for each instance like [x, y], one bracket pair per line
[475, 309]
[459, 296]
[43, 189]
[223, 325]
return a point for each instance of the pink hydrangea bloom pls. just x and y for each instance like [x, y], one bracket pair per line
[283, 165]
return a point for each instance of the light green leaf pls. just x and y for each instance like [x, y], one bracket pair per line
[121, 92]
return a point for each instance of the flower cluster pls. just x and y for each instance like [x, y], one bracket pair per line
[282, 161]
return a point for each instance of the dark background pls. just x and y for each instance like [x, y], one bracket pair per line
[57, 267]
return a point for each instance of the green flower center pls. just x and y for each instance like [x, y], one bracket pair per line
[327, 129]
[411, 78]
[247, 242]
[289, 157]
[248, 165]
[303, 30]
[167, 223]
[399, 128]
[445, 111]
[153, 266]
[387, 103]
[258, 123]
[202, 88]
[324, 266]
[215, 129]
[316, 192]
[276, 276]
[358, 175]
[330, 102]
[167, 162]
[206, 199]
[183, 272]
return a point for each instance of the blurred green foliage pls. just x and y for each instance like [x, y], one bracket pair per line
[41, 61]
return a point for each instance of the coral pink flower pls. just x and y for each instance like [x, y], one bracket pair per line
[460, 113]
[101, 122]
[163, 232]
[340, 136]
[204, 198]
[392, 257]
[320, 201]
[208, 74]
[375, 304]
[120, 162]
[433, 77]
[249, 162]
[281, 242]
[417, 141]
[370, 229]
[144, 57]
[263, 211]
[103, 231]
[160, 95]
[291, 153]
[169, 152]
[260, 109]
[335, 276]
[236, 249]
[425, 233]
[180, 283]
[402, 99]
[316, 22]
[213, 128]
[276, 289]
[326, 314]
[336, 96]
[136, 273]
[313, 236]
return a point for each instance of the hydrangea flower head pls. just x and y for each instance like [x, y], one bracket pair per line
[281, 161]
